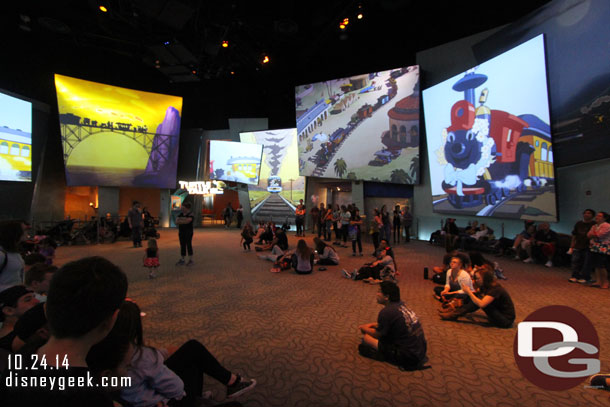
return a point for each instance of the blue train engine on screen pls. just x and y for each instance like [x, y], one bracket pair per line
[274, 184]
[492, 154]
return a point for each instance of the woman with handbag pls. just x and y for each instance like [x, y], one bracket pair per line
[599, 246]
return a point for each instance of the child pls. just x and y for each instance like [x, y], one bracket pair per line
[151, 258]
[47, 249]
[247, 235]
[157, 378]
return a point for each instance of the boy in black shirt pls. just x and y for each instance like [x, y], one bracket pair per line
[398, 336]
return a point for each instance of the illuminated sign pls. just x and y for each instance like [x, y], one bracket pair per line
[202, 187]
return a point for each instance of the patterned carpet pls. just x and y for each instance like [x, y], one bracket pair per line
[298, 335]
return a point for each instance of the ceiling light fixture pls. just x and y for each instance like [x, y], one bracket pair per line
[103, 9]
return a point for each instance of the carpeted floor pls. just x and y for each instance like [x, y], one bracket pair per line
[298, 335]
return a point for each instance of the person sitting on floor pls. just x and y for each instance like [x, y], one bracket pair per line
[397, 337]
[456, 277]
[375, 272]
[14, 302]
[302, 259]
[280, 241]
[38, 279]
[158, 377]
[490, 296]
[327, 255]
[82, 306]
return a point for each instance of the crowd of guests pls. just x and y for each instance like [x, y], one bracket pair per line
[80, 309]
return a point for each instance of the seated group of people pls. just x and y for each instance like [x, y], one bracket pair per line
[86, 327]
[470, 283]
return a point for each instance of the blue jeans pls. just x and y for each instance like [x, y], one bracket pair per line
[581, 264]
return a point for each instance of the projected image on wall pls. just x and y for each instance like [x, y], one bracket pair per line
[15, 139]
[489, 143]
[280, 187]
[114, 136]
[363, 127]
[232, 161]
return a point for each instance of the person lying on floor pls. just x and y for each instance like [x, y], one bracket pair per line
[490, 296]
[327, 256]
[375, 272]
[397, 337]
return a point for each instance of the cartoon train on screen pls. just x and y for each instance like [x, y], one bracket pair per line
[492, 154]
[274, 184]
[246, 166]
[16, 149]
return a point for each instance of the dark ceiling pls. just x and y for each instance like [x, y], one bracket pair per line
[174, 46]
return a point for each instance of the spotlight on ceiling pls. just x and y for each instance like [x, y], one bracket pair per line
[103, 9]
[265, 59]
[225, 44]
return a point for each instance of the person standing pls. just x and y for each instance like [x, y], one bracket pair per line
[579, 248]
[407, 221]
[344, 217]
[398, 336]
[322, 221]
[599, 245]
[228, 215]
[386, 230]
[299, 218]
[184, 220]
[314, 213]
[396, 224]
[355, 232]
[134, 218]
[239, 215]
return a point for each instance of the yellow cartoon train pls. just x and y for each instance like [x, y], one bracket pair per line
[16, 153]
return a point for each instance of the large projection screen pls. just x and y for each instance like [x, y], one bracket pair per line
[15, 139]
[280, 187]
[363, 127]
[234, 161]
[115, 136]
[489, 143]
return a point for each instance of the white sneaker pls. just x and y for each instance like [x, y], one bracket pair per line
[346, 273]
[528, 260]
[573, 280]
[548, 264]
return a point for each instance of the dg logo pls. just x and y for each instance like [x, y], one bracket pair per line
[556, 348]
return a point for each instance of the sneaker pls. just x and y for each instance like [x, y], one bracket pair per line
[353, 254]
[573, 280]
[548, 264]
[346, 273]
[354, 274]
[190, 263]
[582, 281]
[240, 387]
[180, 262]
[517, 257]
[599, 381]
[152, 275]
[528, 260]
